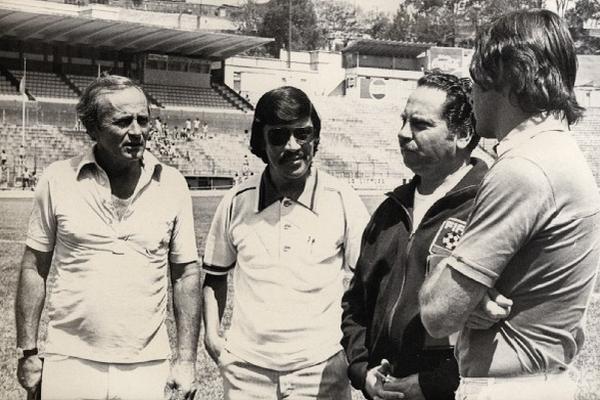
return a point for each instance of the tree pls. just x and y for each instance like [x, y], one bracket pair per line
[337, 21]
[248, 21]
[378, 25]
[249, 18]
[576, 17]
[402, 26]
[561, 6]
[449, 22]
[305, 32]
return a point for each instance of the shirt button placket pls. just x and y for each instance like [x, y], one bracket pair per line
[285, 227]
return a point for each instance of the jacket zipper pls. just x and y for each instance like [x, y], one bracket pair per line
[397, 301]
[408, 247]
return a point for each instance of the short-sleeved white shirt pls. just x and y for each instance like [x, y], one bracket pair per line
[289, 258]
[109, 299]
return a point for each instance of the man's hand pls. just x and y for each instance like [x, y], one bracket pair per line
[181, 383]
[374, 382]
[492, 308]
[409, 386]
[214, 345]
[29, 373]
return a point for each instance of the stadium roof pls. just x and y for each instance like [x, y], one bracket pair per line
[375, 47]
[119, 35]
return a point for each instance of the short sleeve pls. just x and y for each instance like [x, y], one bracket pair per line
[357, 218]
[514, 202]
[183, 237]
[41, 231]
[220, 254]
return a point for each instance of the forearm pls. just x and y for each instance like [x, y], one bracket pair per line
[214, 299]
[446, 300]
[31, 293]
[187, 309]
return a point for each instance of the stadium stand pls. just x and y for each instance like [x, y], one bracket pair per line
[80, 81]
[46, 85]
[7, 87]
[586, 134]
[354, 145]
[185, 96]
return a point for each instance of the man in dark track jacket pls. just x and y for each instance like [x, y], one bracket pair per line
[414, 228]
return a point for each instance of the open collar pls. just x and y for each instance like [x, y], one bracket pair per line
[268, 193]
[151, 167]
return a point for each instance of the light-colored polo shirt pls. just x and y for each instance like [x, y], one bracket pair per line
[109, 299]
[289, 258]
[534, 234]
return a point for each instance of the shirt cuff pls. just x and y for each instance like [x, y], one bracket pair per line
[472, 270]
[182, 258]
[38, 245]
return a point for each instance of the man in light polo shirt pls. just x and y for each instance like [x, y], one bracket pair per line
[115, 223]
[289, 233]
[534, 230]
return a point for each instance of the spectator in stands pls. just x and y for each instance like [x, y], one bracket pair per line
[188, 126]
[21, 153]
[25, 177]
[111, 220]
[388, 349]
[204, 130]
[33, 180]
[533, 231]
[3, 157]
[158, 126]
[176, 133]
[4, 177]
[290, 231]
[196, 126]
[166, 131]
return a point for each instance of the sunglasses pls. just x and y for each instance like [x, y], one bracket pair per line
[280, 136]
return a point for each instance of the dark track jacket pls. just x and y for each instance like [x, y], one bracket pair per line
[381, 307]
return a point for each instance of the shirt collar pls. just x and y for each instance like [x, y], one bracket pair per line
[529, 128]
[268, 193]
[151, 167]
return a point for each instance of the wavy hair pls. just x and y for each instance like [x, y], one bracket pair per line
[457, 110]
[532, 53]
[284, 105]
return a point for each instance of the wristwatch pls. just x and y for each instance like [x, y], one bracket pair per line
[26, 353]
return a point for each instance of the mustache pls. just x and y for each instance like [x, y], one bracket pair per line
[290, 155]
[135, 141]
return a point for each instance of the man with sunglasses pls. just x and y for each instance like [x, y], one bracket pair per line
[289, 233]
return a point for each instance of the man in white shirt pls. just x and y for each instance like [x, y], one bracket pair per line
[287, 234]
[115, 223]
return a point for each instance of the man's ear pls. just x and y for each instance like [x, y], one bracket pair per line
[463, 138]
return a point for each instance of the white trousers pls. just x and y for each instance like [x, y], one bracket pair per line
[70, 378]
[543, 387]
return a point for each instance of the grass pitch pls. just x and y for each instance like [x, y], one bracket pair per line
[13, 224]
